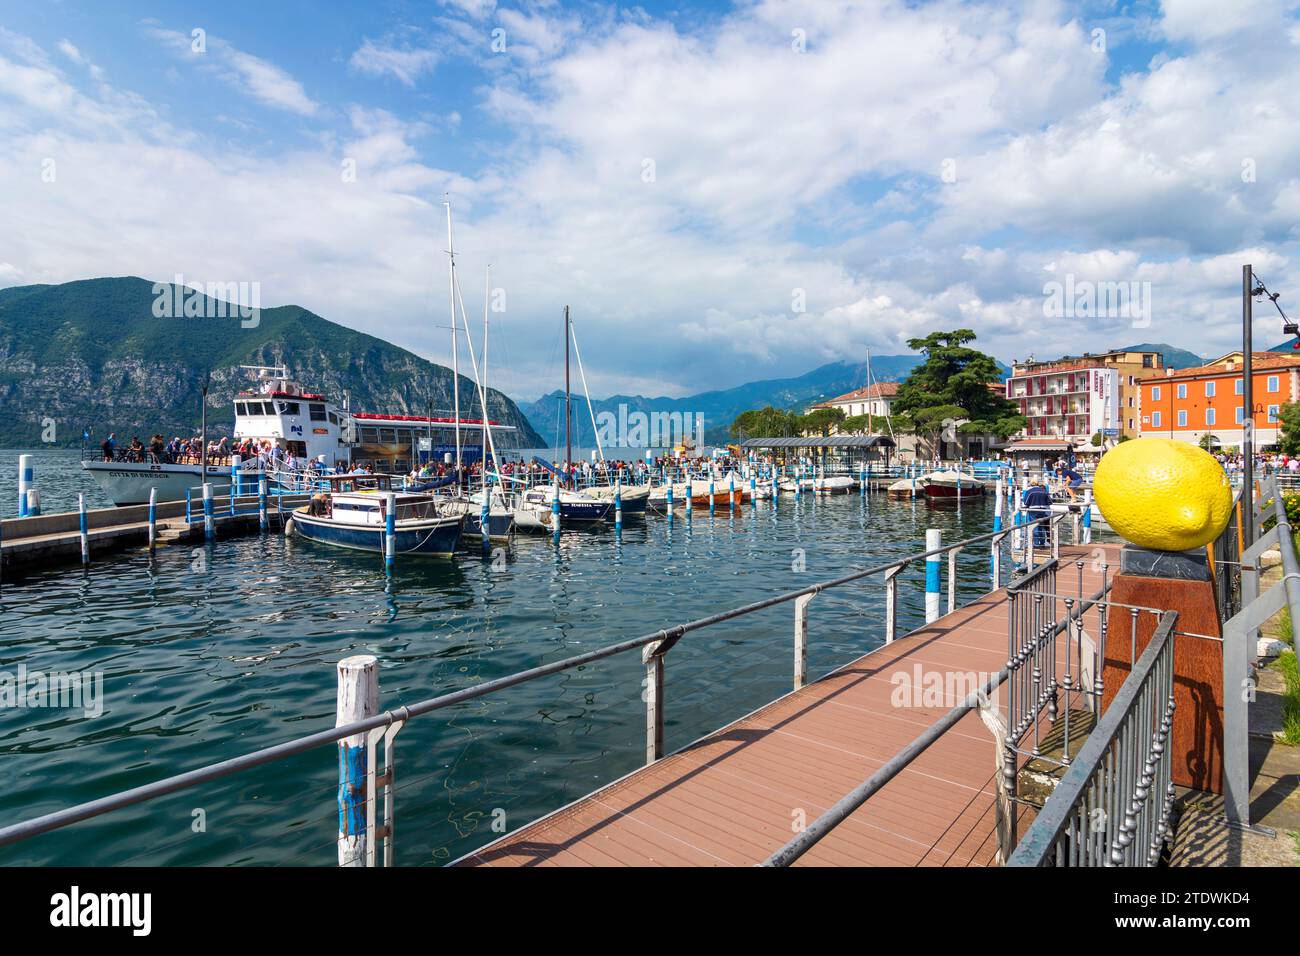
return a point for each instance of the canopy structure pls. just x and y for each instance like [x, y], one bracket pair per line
[829, 441]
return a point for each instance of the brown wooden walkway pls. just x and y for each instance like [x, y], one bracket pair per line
[734, 796]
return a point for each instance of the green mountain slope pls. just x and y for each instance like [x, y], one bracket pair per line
[1174, 357]
[91, 354]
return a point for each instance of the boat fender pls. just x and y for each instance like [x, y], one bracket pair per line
[288, 527]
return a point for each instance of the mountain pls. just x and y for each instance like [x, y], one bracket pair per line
[1174, 357]
[92, 354]
[720, 408]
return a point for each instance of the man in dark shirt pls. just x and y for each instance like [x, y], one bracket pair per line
[1037, 502]
[1073, 480]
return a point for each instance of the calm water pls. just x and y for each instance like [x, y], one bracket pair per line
[210, 652]
[59, 479]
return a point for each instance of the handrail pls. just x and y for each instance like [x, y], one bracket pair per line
[61, 818]
[1052, 820]
[846, 805]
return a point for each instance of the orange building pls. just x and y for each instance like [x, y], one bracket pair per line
[1188, 403]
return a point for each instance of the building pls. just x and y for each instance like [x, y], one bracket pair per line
[1190, 403]
[1074, 397]
[876, 400]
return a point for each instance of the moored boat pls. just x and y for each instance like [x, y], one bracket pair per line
[357, 519]
[952, 484]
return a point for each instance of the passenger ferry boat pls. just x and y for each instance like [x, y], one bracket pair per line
[297, 421]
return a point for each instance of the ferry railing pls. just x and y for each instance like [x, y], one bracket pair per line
[1113, 805]
[654, 648]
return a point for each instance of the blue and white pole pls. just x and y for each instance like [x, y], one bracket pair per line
[668, 490]
[690, 499]
[997, 526]
[26, 479]
[798, 483]
[618, 503]
[776, 483]
[236, 477]
[753, 488]
[85, 529]
[731, 493]
[710, 494]
[153, 518]
[933, 542]
[390, 532]
[485, 515]
[357, 699]
[209, 520]
[555, 508]
[1087, 517]
[262, 521]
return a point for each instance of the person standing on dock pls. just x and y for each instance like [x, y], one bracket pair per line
[1071, 478]
[1037, 503]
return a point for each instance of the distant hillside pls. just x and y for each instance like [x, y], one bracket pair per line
[720, 408]
[1174, 357]
[91, 354]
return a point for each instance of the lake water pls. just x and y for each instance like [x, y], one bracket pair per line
[214, 651]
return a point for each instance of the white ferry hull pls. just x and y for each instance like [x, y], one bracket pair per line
[129, 483]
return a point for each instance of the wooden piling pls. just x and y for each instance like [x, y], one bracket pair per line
[357, 698]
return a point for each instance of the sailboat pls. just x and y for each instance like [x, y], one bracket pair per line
[500, 513]
[541, 504]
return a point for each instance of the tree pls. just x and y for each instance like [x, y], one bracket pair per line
[951, 389]
[856, 424]
[1209, 442]
[1288, 441]
[765, 422]
[820, 421]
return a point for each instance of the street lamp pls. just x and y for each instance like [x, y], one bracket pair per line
[1249, 291]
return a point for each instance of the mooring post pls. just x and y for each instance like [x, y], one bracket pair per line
[618, 502]
[653, 658]
[801, 639]
[690, 499]
[236, 477]
[891, 602]
[153, 519]
[555, 508]
[996, 547]
[209, 520]
[669, 492]
[731, 492]
[26, 479]
[1087, 517]
[262, 521]
[933, 542]
[357, 699]
[85, 529]
[776, 483]
[390, 531]
[485, 515]
[710, 493]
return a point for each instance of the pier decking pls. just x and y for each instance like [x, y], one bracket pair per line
[737, 795]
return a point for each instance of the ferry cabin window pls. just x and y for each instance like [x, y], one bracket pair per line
[241, 409]
[388, 435]
[369, 435]
[334, 419]
[317, 412]
[288, 408]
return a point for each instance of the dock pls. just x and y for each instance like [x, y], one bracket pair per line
[736, 796]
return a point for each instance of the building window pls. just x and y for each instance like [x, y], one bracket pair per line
[1155, 393]
[1209, 416]
[1272, 383]
[1182, 391]
[1272, 413]
[1182, 419]
[1130, 424]
[1155, 418]
[1240, 387]
[1209, 389]
[1148, 361]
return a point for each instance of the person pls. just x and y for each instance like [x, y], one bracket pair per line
[1037, 502]
[1073, 480]
[109, 445]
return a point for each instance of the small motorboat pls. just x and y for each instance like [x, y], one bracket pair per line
[576, 507]
[358, 519]
[633, 498]
[906, 488]
[697, 491]
[952, 484]
[835, 485]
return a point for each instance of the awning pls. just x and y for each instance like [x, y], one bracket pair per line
[1036, 446]
[830, 441]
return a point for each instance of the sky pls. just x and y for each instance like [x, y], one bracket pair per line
[720, 192]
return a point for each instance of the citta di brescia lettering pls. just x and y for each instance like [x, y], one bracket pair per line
[103, 909]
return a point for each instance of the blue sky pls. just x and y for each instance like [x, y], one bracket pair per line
[722, 192]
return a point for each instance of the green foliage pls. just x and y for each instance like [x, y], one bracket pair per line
[858, 424]
[1289, 439]
[1286, 663]
[765, 422]
[953, 384]
[1096, 440]
[820, 421]
[1209, 442]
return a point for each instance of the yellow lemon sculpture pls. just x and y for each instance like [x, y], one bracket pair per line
[1163, 494]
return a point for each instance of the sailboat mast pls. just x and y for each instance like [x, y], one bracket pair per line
[487, 293]
[568, 414]
[868, 391]
[455, 345]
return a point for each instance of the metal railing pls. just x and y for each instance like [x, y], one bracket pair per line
[654, 647]
[1113, 805]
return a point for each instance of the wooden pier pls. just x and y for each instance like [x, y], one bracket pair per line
[739, 794]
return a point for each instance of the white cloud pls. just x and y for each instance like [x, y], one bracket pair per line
[404, 63]
[251, 75]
